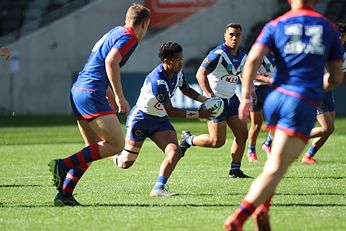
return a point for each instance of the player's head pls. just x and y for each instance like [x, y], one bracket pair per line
[233, 35]
[342, 28]
[171, 55]
[138, 15]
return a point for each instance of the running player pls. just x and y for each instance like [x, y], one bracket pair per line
[97, 122]
[325, 117]
[149, 117]
[218, 76]
[5, 52]
[303, 42]
[263, 87]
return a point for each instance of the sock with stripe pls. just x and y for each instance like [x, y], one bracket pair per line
[312, 151]
[72, 178]
[235, 166]
[243, 212]
[160, 182]
[86, 155]
[251, 148]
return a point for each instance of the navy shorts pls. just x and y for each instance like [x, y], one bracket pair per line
[89, 104]
[295, 116]
[261, 92]
[327, 103]
[140, 125]
[231, 106]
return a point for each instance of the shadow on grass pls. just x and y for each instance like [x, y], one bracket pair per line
[3, 205]
[317, 177]
[21, 185]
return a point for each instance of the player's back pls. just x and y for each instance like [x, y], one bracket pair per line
[302, 41]
[94, 76]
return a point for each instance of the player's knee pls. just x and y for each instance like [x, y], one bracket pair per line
[217, 143]
[330, 129]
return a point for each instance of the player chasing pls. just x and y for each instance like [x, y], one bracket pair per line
[149, 117]
[303, 42]
[262, 87]
[325, 116]
[218, 76]
[96, 118]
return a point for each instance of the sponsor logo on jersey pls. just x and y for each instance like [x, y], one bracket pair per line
[230, 78]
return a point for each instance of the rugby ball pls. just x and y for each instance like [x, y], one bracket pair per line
[215, 105]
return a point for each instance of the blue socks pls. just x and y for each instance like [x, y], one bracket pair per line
[312, 151]
[160, 182]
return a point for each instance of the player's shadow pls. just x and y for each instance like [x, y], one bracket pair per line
[317, 177]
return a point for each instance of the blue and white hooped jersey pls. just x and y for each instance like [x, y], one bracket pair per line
[267, 67]
[94, 75]
[158, 89]
[224, 70]
[302, 41]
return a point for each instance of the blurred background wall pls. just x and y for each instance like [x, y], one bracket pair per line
[52, 39]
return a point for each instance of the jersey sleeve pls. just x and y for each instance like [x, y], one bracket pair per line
[210, 62]
[337, 50]
[125, 43]
[182, 82]
[266, 36]
[160, 90]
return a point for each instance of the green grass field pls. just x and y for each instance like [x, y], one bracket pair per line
[309, 198]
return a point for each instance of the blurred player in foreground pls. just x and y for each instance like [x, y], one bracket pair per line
[263, 87]
[218, 76]
[303, 42]
[149, 118]
[5, 52]
[325, 117]
[97, 122]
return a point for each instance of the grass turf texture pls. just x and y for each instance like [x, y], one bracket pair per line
[309, 198]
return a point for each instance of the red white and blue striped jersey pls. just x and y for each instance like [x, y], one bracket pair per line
[94, 76]
[302, 42]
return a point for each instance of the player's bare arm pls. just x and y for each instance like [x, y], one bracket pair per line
[203, 82]
[112, 63]
[180, 113]
[335, 76]
[191, 93]
[252, 64]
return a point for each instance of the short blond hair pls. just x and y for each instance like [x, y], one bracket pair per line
[137, 14]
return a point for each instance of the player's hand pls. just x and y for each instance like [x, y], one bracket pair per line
[122, 105]
[244, 110]
[206, 114]
[5, 52]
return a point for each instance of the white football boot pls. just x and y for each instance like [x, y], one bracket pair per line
[161, 193]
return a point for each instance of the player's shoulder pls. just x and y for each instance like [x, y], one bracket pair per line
[157, 74]
[218, 50]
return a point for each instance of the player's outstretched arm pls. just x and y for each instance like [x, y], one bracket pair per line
[193, 94]
[189, 114]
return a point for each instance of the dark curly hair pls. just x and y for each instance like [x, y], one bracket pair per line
[168, 49]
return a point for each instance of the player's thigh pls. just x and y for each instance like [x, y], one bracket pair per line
[167, 141]
[217, 131]
[238, 127]
[285, 150]
[88, 135]
[109, 129]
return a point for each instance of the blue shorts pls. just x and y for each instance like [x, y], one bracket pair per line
[89, 104]
[140, 125]
[295, 116]
[327, 103]
[231, 106]
[261, 92]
